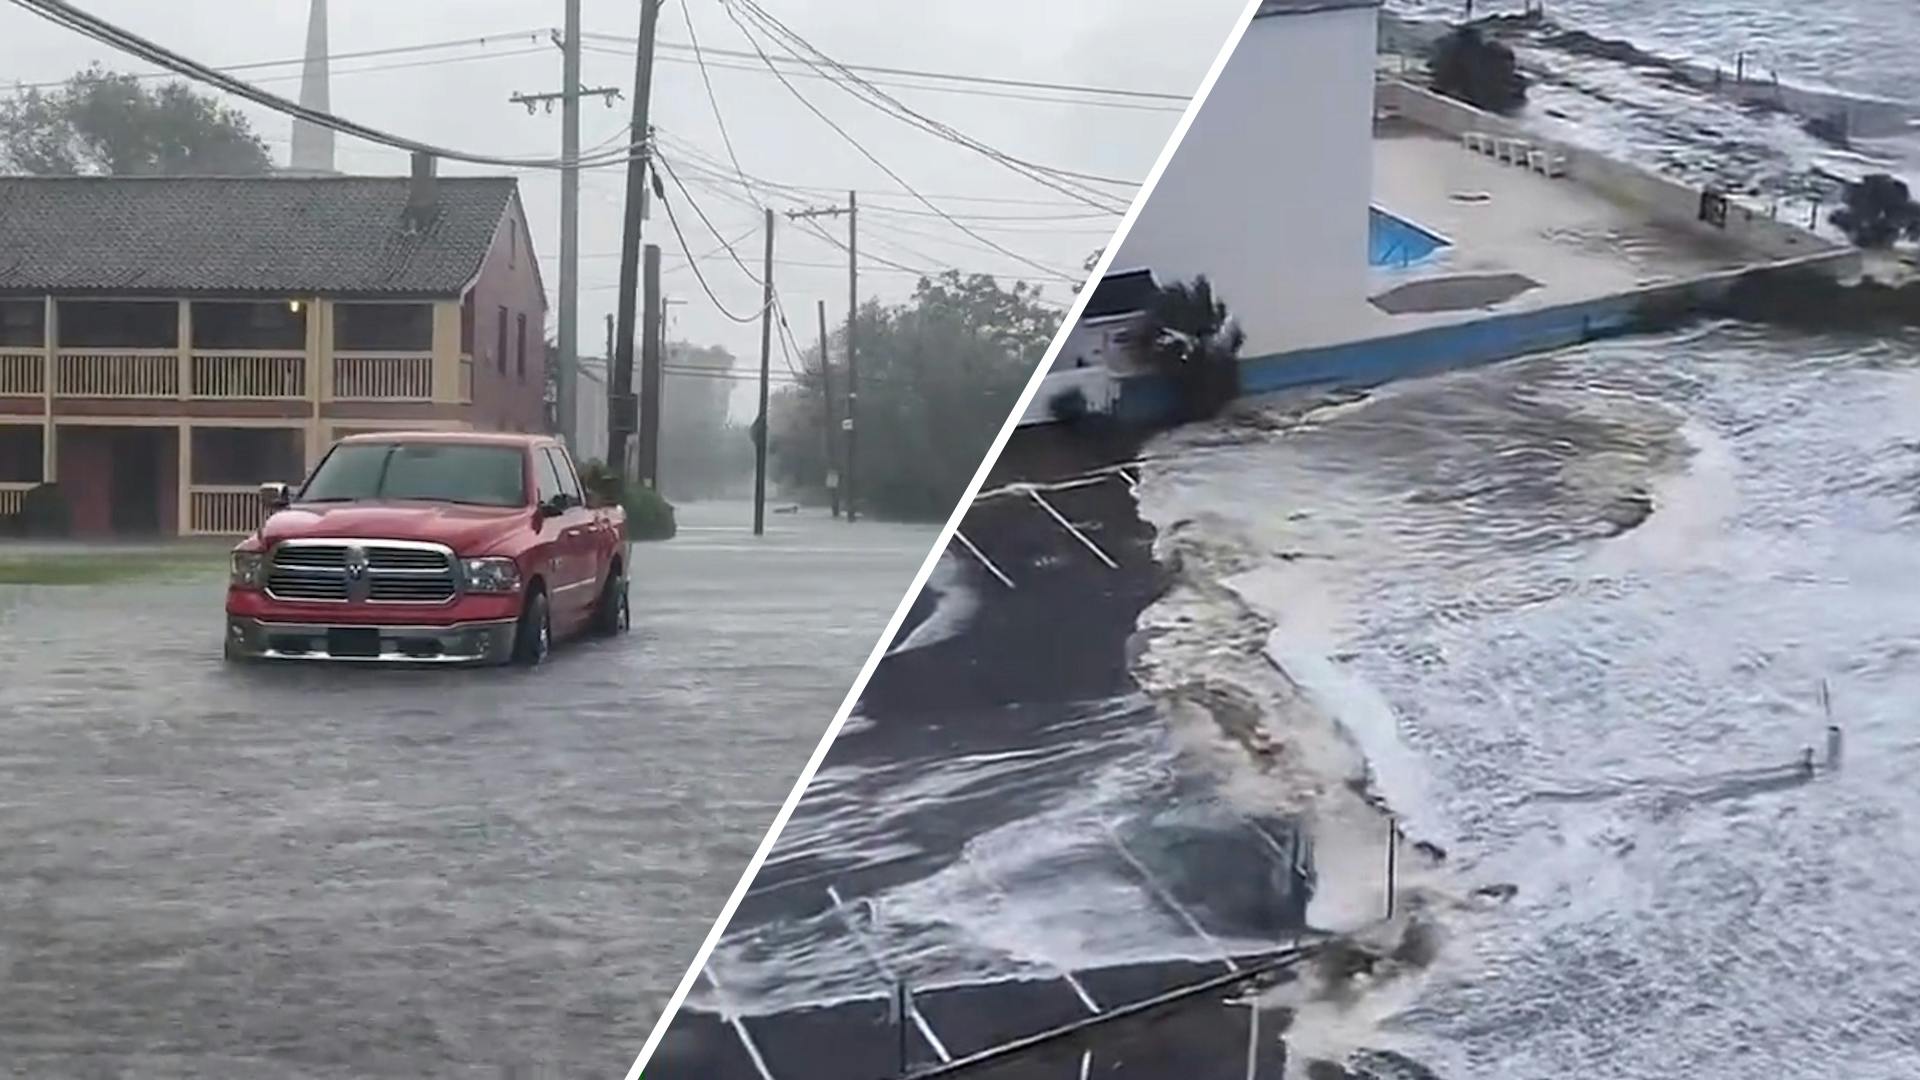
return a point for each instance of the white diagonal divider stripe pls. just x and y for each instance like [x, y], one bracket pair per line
[940, 545]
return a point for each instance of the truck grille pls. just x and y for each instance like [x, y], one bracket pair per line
[378, 572]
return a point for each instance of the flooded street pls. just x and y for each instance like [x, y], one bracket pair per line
[1574, 612]
[301, 872]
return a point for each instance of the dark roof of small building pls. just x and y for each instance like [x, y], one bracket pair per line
[1309, 7]
[1121, 294]
[304, 235]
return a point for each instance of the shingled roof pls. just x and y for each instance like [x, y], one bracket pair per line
[329, 236]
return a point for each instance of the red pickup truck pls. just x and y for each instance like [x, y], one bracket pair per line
[426, 547]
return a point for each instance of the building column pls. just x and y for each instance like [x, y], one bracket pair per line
[184, 347]
[446, 350]
[48, 351]
[319, 376]
[183, 512]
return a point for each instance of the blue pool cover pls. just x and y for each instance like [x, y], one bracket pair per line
[1392, 241]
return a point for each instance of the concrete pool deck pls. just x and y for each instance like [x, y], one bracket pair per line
[1532, 262]
[1575, 243]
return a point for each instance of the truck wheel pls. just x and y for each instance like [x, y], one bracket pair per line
[611, 616]
[533, 639]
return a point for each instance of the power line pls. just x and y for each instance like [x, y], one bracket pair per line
[674, 221]
[532, 33]
[882, 166]
[946, 76]
[667, 166]
[894, 107]
[63, 13]
[719, 120]
[962, 91]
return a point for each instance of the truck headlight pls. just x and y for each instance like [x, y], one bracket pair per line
[492, 575]
[248, 570]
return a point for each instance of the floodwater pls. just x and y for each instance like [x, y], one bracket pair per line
[1575, 613]
[296, 872]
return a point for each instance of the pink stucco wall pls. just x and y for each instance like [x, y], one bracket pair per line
[509, 279]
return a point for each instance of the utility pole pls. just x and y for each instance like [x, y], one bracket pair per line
[622, 409]
[761, 425]
[850, 424]
[569, 96]
[826, 392]
[853, 367]
[649, 469]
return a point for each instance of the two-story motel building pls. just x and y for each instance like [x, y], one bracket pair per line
[168, 344]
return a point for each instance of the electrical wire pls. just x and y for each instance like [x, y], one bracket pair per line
[674, 221]
[65, 14]
[882, 166]
[532, 33]
[666, 166]
[984, 80]
[893, 106]
[719, 120]
[962, 91]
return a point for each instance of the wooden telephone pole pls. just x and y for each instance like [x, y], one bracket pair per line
[826, 391]
[849, 426]
[569, 96]
[622, 405]
[761, 427]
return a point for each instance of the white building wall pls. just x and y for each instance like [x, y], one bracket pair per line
[590, 414]
[1268, 194]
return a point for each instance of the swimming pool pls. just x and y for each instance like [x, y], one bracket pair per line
[1393, 241]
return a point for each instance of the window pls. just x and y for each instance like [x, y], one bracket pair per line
[546, 477]
[248, 455]
[520, 346]
[119, 324]
[500, 342]
[280, 324]
[23, 324]
[569, 480]
[20, 451]
[513, 243]
[432, 472]
[383, 327]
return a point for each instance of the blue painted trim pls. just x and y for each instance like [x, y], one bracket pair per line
[1152, 398]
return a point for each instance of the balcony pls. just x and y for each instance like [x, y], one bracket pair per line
[117, 373]
[223, 510]
[23, 373]
[383, 376]
[12, 496]
[269, 375]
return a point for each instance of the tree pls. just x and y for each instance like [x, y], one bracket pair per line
[938, 376]
[1192, 338]
[1879, 210]
[1477, 71]
[105, 123]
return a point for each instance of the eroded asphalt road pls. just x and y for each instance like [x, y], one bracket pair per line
[298, 872]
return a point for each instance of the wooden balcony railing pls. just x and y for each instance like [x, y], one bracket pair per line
[119, 373]
[12, 496]
[223, 510]
[263, 374]
[383, 377]
[23, 372]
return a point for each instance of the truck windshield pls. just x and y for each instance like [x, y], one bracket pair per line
[435, 472]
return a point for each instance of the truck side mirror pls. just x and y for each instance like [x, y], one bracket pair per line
[275, 496]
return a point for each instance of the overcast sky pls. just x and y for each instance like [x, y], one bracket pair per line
[458, 97]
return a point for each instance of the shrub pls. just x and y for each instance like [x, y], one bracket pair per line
[1879, 210]
[44, 513]
[1069, 406]
[649, 515]
[1193, 339]
[1483, 73]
